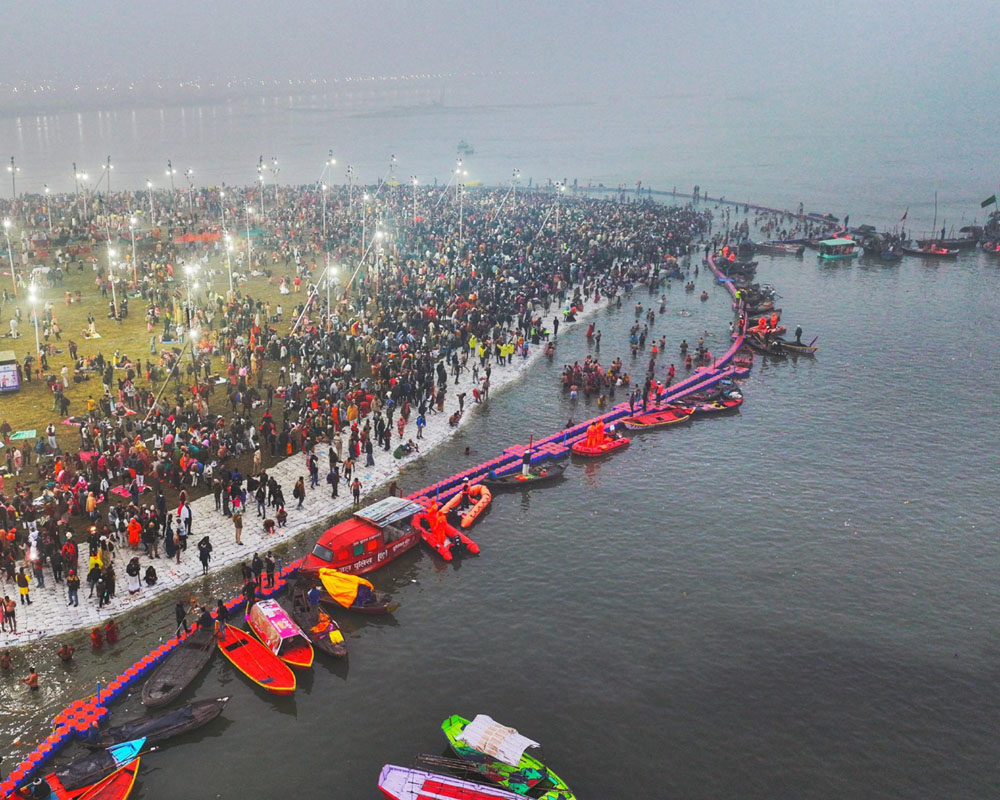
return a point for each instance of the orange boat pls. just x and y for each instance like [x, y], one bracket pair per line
[670, 415]
[441, 537]
[270, 623]
[479, 496]
[598, 443]
[117, 786]
[256, 662]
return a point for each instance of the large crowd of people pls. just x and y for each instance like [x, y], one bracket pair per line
[234, 380]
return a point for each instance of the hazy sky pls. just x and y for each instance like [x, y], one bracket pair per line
[639, 47]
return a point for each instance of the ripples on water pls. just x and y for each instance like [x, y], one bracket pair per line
[795, 601]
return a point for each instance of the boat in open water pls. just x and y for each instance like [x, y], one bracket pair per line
[404, 783]
[499, 753]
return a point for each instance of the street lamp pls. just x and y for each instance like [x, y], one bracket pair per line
[249, 252]
[513, 185]
[195, 333]
[189, 174]
[13, 169]
[149, 188]
[364, 221]
[10, 254]
[170, 174]
[229, 262]
[274, 175]
[413, 180]
[112, 253]
[48, 207]
[34, 314]
[260, 177]
[350, 191]
[135, 264]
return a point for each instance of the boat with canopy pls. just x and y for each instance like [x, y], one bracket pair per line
[499, 753]
[270, 623]
[353, 593]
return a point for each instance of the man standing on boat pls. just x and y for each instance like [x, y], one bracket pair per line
[798, 334]
[526, 463]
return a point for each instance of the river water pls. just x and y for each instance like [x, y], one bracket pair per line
[799, 600]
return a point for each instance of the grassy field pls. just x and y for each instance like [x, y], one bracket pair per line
[31, 407]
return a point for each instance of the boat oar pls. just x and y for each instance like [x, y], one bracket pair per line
[813, 341]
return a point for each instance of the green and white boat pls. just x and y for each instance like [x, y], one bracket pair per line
[498, 753]
[838, 248]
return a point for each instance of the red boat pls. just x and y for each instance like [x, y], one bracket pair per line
[441, 537]
[658, 419]
[370, 539]
[720, 406]
[609, 445]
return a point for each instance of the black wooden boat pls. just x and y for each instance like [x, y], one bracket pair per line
[795, 348]
[779, 248]
[162, 725]
[765, 347]
[373, 603]
[306, 616]
[958, 243]
[537, 476]
[179, 668]
[86, 770]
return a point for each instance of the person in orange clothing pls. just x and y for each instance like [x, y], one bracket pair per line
[774, 320]
[134, 533]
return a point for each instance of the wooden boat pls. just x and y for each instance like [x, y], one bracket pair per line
[779, 248]
[88, 771]
[116, 786]
[403, 783]
[956, 243]
[270, 623]
[499, 754]
[479, 495]
[161, 726]
[723, 405]
[353, 593]
[370, 539]
[796, 348]
[537, 476]
[255, 661]
[764, 346]
[660, 418]
[175, 673]
[323, 632]
[931, 251]
[441, 537]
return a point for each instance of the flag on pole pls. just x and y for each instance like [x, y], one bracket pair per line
[991, 200]
[903, 218]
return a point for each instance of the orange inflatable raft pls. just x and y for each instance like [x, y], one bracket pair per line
[598, 443]
[480, 497]
[439, 535]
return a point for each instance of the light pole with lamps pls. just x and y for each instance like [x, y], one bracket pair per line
[135, 264]
[13, 169]
[274, 176]
[112, 253]
[249, 252]
[10, 255]
[34, 314]
[413, 180]
[189, 174]
[229, 262]
[149, 188]
[48, 207]
[170, 174]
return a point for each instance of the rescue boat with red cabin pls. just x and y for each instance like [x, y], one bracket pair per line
[370, 539]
